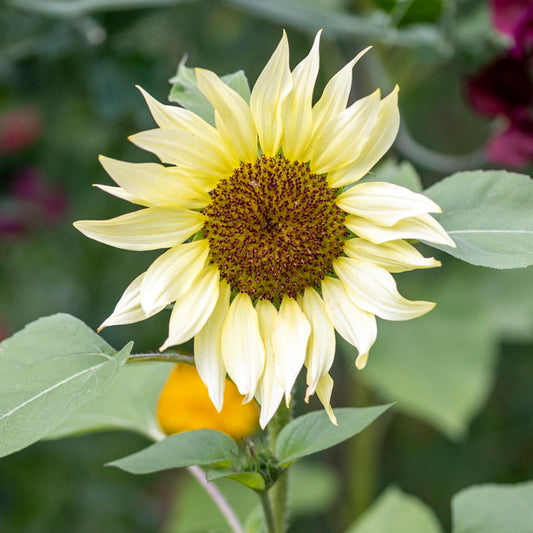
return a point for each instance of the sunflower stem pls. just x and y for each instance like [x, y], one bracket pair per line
[267, 509]
[279, 493]
[164, 357]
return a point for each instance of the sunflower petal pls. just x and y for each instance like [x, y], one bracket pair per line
[243, 350]
[171, 275]
[119, 192]
[354, 325]
[147, 229]
[155, 184]
[129, 309]
[373, 289]
[379, 142]
[393, 256]
[289, 339]
[187, 150]
[208, 348]
[321, 346]
[232, 115]
[339, 144]
[269, 391]
[194, 308]
[297, 109]
[384, 203]
[266, 101]
[422, 227]
[323, 391]
[335, 95]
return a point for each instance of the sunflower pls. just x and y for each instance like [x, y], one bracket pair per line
[272, 243]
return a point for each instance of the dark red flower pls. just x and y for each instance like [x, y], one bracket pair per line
[514, 146]
[504, 87]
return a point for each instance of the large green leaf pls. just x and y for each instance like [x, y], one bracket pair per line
[489, 215]
[130, 403]
[199, 447]
[47, 371]
[494, 509]
[396, 511]
[185, 91]
[440, 367]
[314, 432]
[403, 174]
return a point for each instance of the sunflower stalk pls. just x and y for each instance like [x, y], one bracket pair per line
[278, 495]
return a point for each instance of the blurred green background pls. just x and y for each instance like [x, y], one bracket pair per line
[461, 375]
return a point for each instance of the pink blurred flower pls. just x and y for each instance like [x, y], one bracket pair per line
[18, 128]
[514, 146]
[31, 203]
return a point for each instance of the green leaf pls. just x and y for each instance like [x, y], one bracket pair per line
[185, 91]
[255, 522]
[438, 367]
[252, 480]
[489, 215]
[47, 371]
[314, 432]
[199, 447]
[493, 509]
[403, 174]
[396, 511]
[129, 404]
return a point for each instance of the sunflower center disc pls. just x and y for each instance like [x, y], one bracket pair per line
[274, 228]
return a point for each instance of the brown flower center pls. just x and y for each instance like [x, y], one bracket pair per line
[274, 228]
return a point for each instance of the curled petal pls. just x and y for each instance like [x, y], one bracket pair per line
[187, 150]
[147, 229]
[335, 96]
[321, 346]
[192, 310]
[266, 101]
[129, 309]
[171, 275]
[422, 227]
[373, 289]
[323, 391]
[378, 143]
[384, 203]
[243, 350]
[393, 256]
[341, 143]
[155, 184]
[269, 390]
[297, 109]
[208, 348]
[354, 325]
[289, 339]
[232, 116]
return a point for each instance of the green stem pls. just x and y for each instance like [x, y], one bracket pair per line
[164, 357]
[267, 509]
[279, 493]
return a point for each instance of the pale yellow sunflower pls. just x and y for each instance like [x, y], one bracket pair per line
[271, 245]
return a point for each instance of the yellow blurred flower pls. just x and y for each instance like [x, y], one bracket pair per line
[185, 405]
[272, 249]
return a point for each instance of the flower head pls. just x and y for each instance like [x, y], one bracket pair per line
[270, 251]
[184, 405]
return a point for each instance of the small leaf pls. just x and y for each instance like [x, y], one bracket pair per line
[493, 509]
[396, 511]
[252, 480]
[199, 447]
[185, 91]
[129, 404]
[489, 215]
[47, 371]
[314, 432]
